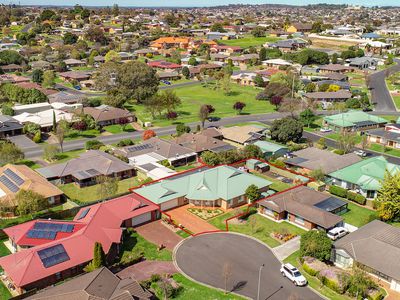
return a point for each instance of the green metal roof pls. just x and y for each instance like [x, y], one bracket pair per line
[269, 147]
[368, 173]
[351, 118]
[221, 182]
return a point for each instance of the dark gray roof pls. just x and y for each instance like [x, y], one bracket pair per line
[376, 245]
[390, 135]
[8, 123]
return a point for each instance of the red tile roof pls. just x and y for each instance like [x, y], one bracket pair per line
[163, 65]
[101, 224]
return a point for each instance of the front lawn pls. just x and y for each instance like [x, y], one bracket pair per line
[116, 128]
[134, 245]
[249, 41]
[206, 214]
[29, 163]
[396, 100]
[65, 156]
[381, 148]
[262, 230]
[196, 95]
[358, 215]
[75, 134]
[91, 193]
[336, 135]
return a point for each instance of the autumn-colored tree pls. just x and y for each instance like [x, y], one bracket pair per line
[148, 134]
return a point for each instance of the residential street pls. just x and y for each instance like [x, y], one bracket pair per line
[380, 95]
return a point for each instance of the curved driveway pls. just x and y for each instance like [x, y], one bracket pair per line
[204, 258]
[380, 95]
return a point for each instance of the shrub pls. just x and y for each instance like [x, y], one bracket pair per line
[338, 151]
[37, 138]
[7, 110]
[338, 191]
[93, 145]
[165, 163]
[125, 142]
[172, 115]
[79, 125]
[360, 199]
[279, 163]
[309, 270]
[351, 195]
[333, 285]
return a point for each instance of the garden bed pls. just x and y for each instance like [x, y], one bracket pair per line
[206, 214]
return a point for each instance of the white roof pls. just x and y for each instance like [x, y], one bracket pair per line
[160, 172]
[143, 159]
[277, 61]
[29, 106]
[44, 118]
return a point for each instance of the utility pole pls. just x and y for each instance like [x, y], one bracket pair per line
[259, 281]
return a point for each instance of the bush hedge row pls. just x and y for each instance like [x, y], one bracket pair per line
[341, 192]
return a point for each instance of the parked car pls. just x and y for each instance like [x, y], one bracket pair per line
[77, 87]
[214, 119]
[294, 275]
[325, 129]
[337, 233]
[166, 82]
[361, 153]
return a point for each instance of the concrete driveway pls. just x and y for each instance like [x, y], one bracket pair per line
[205, 257]
[158, 234]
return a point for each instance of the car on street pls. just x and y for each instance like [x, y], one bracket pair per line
[360, 152]
[213, 119]
[337, 233]
[293, 274]
[325, 129]
[166, 82]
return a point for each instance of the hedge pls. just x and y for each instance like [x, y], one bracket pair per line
[333, 285]
[360, 199]
[338, 191]
[309, 270]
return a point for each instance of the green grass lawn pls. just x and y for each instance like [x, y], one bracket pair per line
[263, 231]
[336, 135]
[249, 41]
[196, 95]
[182, 234]
[396, 100]
[277, 184]
[135, 245]
[381, 148]
[31, 164]
[193, 290]
[91, 193]
[4, 292]
[3, 249]
[64, 156]
[75, 134]
[358, 215]
[116, 128]
[313, 282]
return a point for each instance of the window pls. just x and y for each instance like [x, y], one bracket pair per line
[299, 220]
[58, 275]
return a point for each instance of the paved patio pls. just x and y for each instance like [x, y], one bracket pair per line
[195, 224]
[144, 270]
[158, 234]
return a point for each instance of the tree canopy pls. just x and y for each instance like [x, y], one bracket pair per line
[286, 129]
[316, 244]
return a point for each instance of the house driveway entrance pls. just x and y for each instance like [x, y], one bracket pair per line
[193, 223]
[158, 234]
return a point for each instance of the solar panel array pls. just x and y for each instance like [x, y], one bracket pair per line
[53, 255]
[139, 147]
[83, 213]
[93, 172]
[9, 184]
[14, 177]
[40, 234]
[57, 227]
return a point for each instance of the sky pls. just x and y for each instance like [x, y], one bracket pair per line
[186, 3]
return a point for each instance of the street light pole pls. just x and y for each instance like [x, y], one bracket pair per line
[259, 281]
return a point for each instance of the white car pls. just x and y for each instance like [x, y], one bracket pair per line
[325, 129]
[294, 275]
[337, 233]
[360, 153]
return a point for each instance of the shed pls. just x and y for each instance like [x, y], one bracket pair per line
[271, 149]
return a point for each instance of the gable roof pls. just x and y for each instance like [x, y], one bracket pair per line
[223, 182]
[241, 134]
[106, 113]
[375, 245]
[367, 173]
[354, 118]
[203, 141]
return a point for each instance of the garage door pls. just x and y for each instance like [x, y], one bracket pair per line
[141, 219]
[169, 204]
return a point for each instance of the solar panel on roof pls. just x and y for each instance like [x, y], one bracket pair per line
[14, 177]
[56, 227]
[93, 172]
[53, 255]
[40, 234]
[83, 213]
[9, 184]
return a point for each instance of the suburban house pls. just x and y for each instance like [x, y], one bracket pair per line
[310, 159]
[243, 59]
[365, 176]
[48, 251]
[66, 98]
[99, 284]
[222, 186]
[334, 68]
[84, 170]
[287, 45]
[353, 120]
[74, 75]
[243, 135]
[327, 98]
[107, 115]
[374, 247]
[72, 62]
[14, 178]
[165, 43]
[304, 207]
[206, 140]
[271, 149]
[276, 63]
[247, 79]
[9, 126]
[44, 118]
[299, 27]
[363, 62]
[164, 65]
[388, 136]
[147, 156]
[227, 50]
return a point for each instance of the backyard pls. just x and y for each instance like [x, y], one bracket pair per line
[277, 184]
[196, 95]
[261, 228]
[383, 149]
[91, 193]
[358, 215]
[249, 41]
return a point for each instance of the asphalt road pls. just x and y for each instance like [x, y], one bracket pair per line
[205, 257]
[380, 95]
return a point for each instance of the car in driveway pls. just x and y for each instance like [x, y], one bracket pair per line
[360, 153]
[293, 274]
[325, 129]
[337, 233]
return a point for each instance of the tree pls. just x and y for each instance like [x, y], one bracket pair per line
[96, 34]
[50, 152]
[10, 57]
[334, 58]
[170, 100]
[99, 258]
[61, 132]
[259, 81]
[29, 202]
[37, 76]
[276, 89]
[9, 153]
[347, 141]
[310, 87]
[147, 134]
[153, 105]
[290, 105]
[210, 158]
[262, 55]
[107, 186]
[186, 72]
[204, 113]
[112, 56]
[115, 10]
[307, 117]
[252, 151]
[226, 85]
[48, 79]
[388, 199]
[276, 100]
[258, 31]
[315, 243]
[317, 174]
[252, 193]
[182, 128]
[70, 38]
[239, 106]
[286, 129]
[217, 27]
[192, 61]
